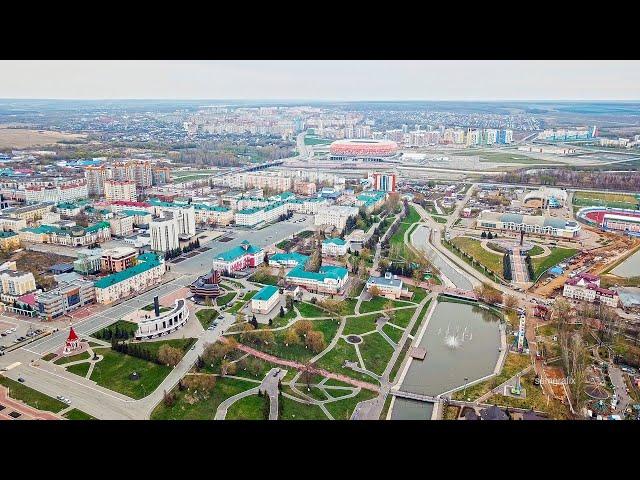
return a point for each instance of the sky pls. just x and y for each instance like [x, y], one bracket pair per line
[339, 80]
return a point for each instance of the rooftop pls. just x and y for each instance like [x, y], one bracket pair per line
[146, 261]
[266, 293]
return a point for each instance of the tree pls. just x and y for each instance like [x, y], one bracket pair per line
[510, 301]
[291, 337]
[281, 314]
[315, 341]
[169, 399]
[375, 291]
[303, 326]
[168, 355]
[307, 374]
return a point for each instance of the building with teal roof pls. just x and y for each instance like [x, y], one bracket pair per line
[148, 271]
[238, 258]
[334, 246]
[265, 300]
[76, 236]
[292, 259]
[329, 279]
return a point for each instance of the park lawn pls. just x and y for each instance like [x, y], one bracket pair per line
[536, 250]
[513, 364]
[399, 360]
[150, 307]
[547, 330]
[186, 408]
[439, 219]
[418, 293]
[49, 356]
[334, 359]
[80, 369]
[338, 392]
[402, 317]
[248, 408]
[293, 410]
[264, 279]
[557, 255]
[31, 397]
[73, 358]
[279, 321]
[180, 343]
[416, 325]
[332, 382]
[385, 409]
[129, 327]
[360, 325]
[298, 352]
[393, 333]
[314, 392]
[231, 284]
[206, 316]
[113, 372]
[412, 217]
[308, 310]
[224, 299]
[535, 399]
[237, 307]
[350, 306]
[377, 304]
[75, 414]
[473, 247]
[342, 409]
[376, 352]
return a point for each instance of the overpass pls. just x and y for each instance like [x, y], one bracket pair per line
[414, 396]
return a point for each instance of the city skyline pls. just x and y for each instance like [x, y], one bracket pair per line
[322, 80]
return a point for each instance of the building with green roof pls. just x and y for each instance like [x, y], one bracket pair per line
[266, 298]
[149, 269]
[75, 236]
[238, 258]
[329, 279]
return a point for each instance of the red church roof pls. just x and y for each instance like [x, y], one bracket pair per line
[72, 335]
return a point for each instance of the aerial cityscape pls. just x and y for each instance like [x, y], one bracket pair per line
[243, 255]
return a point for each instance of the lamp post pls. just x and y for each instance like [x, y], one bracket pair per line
[464, 393]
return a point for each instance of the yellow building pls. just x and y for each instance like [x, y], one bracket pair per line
[9, 241]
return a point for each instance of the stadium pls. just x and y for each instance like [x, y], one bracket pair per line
[612, 219]
[366, 150]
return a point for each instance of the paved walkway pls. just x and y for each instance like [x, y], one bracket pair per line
[301, 366]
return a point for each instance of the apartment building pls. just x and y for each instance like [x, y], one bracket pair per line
[117, 190]
[67, 296]
[147, 272]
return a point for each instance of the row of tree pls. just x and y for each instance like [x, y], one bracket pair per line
[176, 252]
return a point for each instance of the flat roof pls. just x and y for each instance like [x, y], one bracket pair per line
[266, 292]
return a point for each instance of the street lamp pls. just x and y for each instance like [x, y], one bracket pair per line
[464, 393]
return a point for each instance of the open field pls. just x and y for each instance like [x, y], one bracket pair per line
[26, 138]
[473, 247]
[614, 200]
[556, 256]
[32, 397]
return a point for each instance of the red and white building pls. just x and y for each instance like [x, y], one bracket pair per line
[238, 258]
[72, 342]
[384, 182]
[586, 287]
[66, 192]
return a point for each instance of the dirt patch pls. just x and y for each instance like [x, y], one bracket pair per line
[26, 138]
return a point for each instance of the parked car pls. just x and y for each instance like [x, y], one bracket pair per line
[21, 380]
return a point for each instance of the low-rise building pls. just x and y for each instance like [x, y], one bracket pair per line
[75, 236]
[335, 216]
[15, 284]
[213, 214]
[334, 247]
[238, 258]
[121, 225]
[586, 287]
[87, 264]
[164, 323]
[8, 223]
[329, 279]
[117, 259]
[536, 224]
[264, 301]
[288, 260]
[148, 271]
[65, 297]
[387, 286]
[9, 241]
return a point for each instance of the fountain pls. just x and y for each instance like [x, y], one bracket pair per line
[451, 341]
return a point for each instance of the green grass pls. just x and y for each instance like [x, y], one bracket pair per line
[334, 359]
[75, 414]
[206, 316]
[32, 397]
[248, 408]
[403, 317]
[360, 325]
[313, 392]
[129, 327]
[73, 358]
[416, 325]
[513, 364]
[393, 333]
[113, 372]
[310, 140]
[398, 237]
[203, 408]
[350, 306]
[473, 247]
[180, 343]
[264, 279]
[377, 304]
[150, 307]
[292, 410]
[224, 299]
[439, 219]
[342, 409]
[49, 356]
[308, 310]
[418, 293]
[80, 369]
[536, 250]
[298, 351]
[376, 352]
[557, 255]
[614, 200]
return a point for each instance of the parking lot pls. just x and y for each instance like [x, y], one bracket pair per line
[13, 329]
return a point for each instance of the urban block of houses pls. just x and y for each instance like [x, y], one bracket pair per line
[371, 199]
[334, 247]
[264, 301]
[75, 236]
[238, 258]
[213, 214]
[148, 270]
[586, 287]
[329, 279]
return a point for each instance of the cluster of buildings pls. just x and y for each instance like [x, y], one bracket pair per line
[568, 135]
[141, 173]
[612, 219]
[586, 287]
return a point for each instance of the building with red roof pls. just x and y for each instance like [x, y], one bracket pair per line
[72, 342]
[586, 287]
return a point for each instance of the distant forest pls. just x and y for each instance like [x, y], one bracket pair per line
[622, 181]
